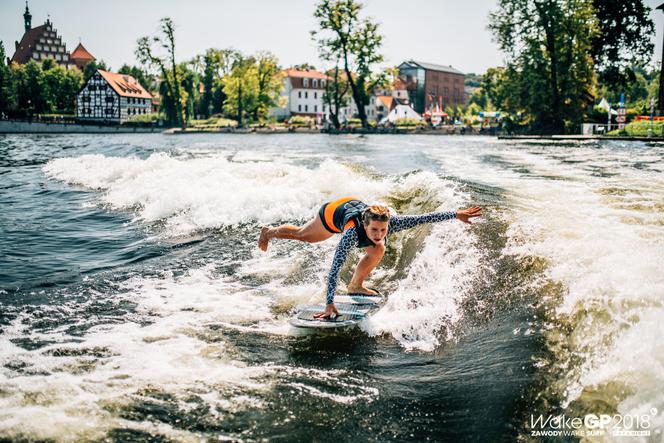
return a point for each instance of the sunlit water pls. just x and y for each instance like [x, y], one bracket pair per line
[135, 305]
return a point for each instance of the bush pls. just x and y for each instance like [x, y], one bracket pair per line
[640, 129]
[214, 122]
[301, 121]
[144, 118]
[408, 122]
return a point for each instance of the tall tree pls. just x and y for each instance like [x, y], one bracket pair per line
[549, 66]
[148, 56]
[335, 96]
[241, 88]
[343, 35]
[7, 85]
[269, 83]
[623, 40]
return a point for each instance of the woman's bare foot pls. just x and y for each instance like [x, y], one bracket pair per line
[263, 239]
[352, 289]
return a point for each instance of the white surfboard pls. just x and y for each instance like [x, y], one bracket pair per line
[353, 308]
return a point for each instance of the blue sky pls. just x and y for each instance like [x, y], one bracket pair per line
[438, 31]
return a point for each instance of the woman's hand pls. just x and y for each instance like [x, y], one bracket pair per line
[466, 214]
[329, 310]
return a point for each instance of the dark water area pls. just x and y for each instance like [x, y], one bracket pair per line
[135, 306]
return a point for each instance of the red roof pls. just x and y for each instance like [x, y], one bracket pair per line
[300, 73]
[387, 101]
[80, 53]
[125, 85]
[25, 49]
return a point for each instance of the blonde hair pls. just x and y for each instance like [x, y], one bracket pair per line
[375, 212]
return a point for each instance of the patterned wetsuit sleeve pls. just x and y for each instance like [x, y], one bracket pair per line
[347, 242]
[401, 222]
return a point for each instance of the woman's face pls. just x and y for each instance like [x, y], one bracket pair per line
[376, 230]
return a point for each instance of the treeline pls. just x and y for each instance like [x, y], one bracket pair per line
[37, 88]
[220, 81]
[564, 55]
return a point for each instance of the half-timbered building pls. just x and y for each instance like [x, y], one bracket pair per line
[113, 98]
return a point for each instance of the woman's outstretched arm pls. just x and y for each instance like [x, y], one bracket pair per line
[401, 222]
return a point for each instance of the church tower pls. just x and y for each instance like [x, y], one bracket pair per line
[27, 17]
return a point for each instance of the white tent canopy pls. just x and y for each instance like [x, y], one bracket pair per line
[400, 111]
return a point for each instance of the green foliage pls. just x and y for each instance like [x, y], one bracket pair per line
[301, 121]
[335, 96]
[91, 67]
[408, 122]
[640, 129]
[145, 118]
[623, 40]
[252, 87]
[146, 80]
[173, 103]
[549, 71]
[217, 63]
[343, 37]
[7, 84]
[472, 79]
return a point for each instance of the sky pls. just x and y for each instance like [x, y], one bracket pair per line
[447, 32]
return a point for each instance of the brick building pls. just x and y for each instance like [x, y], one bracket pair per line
[430, 85]
[42, 42]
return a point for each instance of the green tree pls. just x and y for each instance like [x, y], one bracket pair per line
[623, 40]
[549, 69]
[335, 96]
[241, 88]
[172, 97]
[354, 41]
[141, 75]
[269, 84]
[32, 88]
[216, 64]
[91, 67]
[7, 84]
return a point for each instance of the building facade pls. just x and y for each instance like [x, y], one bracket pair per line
[112, 98]
[430, 85]
[302, 95]
[42, 42]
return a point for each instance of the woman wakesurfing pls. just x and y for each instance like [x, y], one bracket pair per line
[361, 226]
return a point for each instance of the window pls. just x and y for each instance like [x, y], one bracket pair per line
[299, 94]
[299, 108]
[315, 108]
[305, 82]
[35, 55]
[306, 108]
[315, 94]
[109, 99]
[322, 83]
[306, 94]
[108, 111]
[315, 83]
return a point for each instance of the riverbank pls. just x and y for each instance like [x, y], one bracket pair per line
[580, 137]
[26, 127]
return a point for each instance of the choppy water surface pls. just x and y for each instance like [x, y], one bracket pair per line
[134, 305]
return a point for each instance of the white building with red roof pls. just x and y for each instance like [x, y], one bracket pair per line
[302, 94]
[113, 98]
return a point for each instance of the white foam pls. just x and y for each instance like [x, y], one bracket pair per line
[603, 237]
[201, 192]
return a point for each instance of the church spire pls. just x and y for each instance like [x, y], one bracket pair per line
[27, 17]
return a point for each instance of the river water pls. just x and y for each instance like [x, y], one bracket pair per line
[135, 306]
